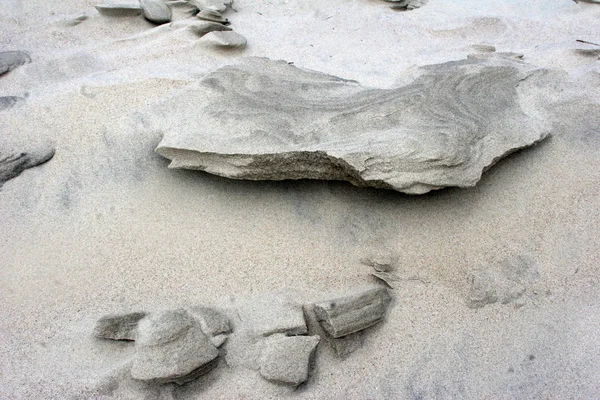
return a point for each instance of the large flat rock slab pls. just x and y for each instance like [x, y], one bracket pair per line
[269, 120]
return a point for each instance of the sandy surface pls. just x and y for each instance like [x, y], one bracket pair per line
[105, 227]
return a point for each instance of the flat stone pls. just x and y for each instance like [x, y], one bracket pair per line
[286, 359]
[353, 312]
[119, 9]
[269, 314]
[226, 39]
[10, 60]
[268, 120]
[156, 11]
[118, 326]
[171, 347]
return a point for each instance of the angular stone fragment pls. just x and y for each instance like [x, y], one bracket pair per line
[268, 120]
[230, 40]
[119, 9]
[286, 359]
[156, 11]
[171, 347]
[118, 326]
[270, 314]
[355, 312]
[10, 60]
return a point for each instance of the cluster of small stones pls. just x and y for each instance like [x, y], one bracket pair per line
[181, 345]
[159, 12]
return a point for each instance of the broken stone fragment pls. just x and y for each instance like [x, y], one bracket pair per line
[230, 40]
[348, 344]
[171, 347]
[156, 11]
[352, 313]
[269, 314]
[118, 326]
[214, 324]
[286, 359]
[119, 9]
[444, 129]
[214, 16]
[10, 60]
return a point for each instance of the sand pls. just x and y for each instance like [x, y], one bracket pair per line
[104, 227]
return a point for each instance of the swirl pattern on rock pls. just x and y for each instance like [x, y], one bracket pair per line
[268, 120]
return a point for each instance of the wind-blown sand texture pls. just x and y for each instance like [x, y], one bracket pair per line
[496, 290]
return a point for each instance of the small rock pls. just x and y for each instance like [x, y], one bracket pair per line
[7, 102]
[10, 60]
[119, 9]
[226, 39]
[171, 347]
[118, 326]
[345, 315]
[75, 21]
[214, 16]
[215, 325]
[286, 359]
[156, 11]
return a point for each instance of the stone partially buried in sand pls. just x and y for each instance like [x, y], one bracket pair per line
[214, 16]
[118, 326]
[230, 40]
[10, 60]
[286, 359]
[214, 324]
[273, 313]
[16, 158]
[171, 347]
[156, 11]
[268, 120]
[119, 9]
[353, 312]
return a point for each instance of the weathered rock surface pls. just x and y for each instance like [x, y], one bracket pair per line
[119, 9]
[214, 324]
[212, 5]
[171, 347]
[268, 120]
[286, 359]
[231, 40]
[16, 159]
[269, 314]
[118, 326]
[10, 60]
[352, 313]
[156, 11]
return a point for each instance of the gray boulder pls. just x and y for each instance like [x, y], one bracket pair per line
[171, 347]
[268, 120]
[286, 359]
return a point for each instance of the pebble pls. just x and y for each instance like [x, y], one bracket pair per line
[156, 11]
[286, 359]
